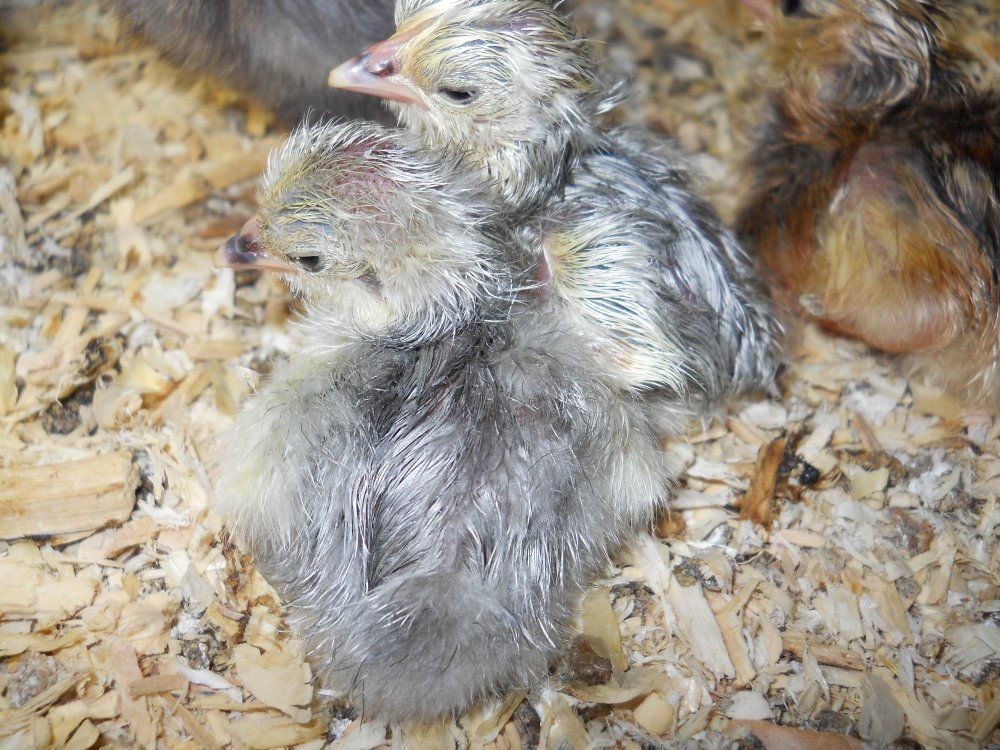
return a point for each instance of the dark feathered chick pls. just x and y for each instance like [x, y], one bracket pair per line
[433, 480]
[641, 265]
[875, 187]
[278, 52]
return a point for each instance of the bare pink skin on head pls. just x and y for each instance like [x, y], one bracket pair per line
[243, 250]
[763, 9]
[374, 70]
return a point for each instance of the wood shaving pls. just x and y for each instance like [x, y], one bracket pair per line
[828, 574]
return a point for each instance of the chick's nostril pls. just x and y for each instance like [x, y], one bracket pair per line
[379, 66]
[248, 238]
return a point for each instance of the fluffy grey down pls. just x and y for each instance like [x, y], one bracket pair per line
[430, 500]
[646, 268]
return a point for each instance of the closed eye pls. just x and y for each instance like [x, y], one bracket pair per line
[459, 96]
[306, 262]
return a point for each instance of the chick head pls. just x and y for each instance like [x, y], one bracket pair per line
[375, 233]
[844, 58]
[504, 83]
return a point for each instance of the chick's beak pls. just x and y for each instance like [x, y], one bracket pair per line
[243, 250]
[377, 71]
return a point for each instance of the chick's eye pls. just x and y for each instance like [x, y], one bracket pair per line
[459, 96]
[306, 262]
[791, 7]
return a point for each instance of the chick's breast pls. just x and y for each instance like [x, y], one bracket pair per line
[444, 527]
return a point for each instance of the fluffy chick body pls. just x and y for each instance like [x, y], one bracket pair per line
[875, 196]
[640, 264]
[430, 493]
[652, 279]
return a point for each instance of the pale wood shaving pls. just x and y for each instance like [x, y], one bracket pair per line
[59, 498]
[278, 678]
[829, 561]
[654, 714]
[601, 627]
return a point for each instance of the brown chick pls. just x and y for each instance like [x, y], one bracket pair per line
[875, 181]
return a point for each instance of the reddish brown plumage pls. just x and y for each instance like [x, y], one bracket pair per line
[873, 205]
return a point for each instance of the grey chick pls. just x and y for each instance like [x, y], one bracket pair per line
[505, 82]
[436, 477]
[640, 263]
[278, 51]
[656, 284]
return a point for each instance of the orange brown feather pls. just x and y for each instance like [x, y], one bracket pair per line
[873, 207]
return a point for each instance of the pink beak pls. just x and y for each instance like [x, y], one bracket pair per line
[243, 250]
[376, 71]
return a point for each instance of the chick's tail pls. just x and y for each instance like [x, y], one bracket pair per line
[432, 645]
